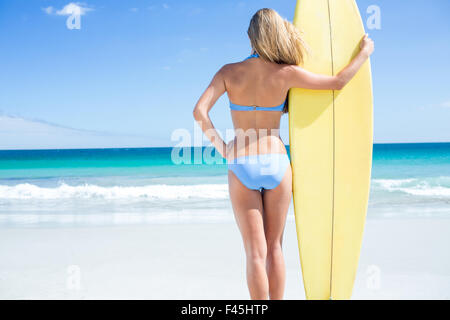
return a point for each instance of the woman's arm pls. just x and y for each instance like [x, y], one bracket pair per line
[300, 78]
[201, 111]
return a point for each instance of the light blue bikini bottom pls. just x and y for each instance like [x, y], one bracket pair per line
[262, 171]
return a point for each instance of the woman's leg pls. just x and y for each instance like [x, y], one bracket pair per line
[248, 210]
[276, 204]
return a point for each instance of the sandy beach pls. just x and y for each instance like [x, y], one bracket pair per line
[113, 114]
[400, 259]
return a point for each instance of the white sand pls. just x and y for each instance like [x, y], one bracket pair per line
[401, 259]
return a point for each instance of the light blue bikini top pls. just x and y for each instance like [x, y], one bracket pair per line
[251, 108]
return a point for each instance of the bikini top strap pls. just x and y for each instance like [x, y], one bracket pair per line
[255, 55]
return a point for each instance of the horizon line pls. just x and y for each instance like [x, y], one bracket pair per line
[167, 147]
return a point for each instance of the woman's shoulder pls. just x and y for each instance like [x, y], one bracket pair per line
[238, 70]
[230, 70]
[232, 66]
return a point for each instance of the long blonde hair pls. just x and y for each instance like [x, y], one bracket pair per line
[275, 39]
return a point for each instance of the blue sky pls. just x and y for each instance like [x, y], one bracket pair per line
[137, 68]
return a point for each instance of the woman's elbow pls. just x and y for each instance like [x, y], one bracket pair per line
[339, 83]
[197, 114]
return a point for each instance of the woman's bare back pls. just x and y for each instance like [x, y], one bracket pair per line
[255, 82]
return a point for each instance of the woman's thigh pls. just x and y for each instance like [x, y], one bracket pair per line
[248, 211]
[276, 205]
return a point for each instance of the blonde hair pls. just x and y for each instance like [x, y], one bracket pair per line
[275, 39]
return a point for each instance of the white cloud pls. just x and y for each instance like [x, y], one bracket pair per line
[73, 8]
[156, 7]
[21, 133]
[446, 104]
[48, 10]
[197, 11]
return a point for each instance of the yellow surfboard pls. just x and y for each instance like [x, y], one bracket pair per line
[330, 136]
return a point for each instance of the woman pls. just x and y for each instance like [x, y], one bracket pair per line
[259, 175]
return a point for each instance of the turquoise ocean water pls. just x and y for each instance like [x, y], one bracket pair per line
[134, 186]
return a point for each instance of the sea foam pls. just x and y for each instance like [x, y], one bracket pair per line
[433, 187]
[89, 191]
[426, 187]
